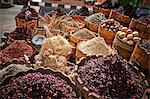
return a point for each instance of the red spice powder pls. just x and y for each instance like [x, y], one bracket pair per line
[17, 49]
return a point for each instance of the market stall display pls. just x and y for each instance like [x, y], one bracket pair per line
[39, 83]
[109, 77]
[82, 54]
[54, 53]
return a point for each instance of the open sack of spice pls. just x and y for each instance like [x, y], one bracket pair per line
[16, 52]
[95, 46]
[27, 17]
[20, 33]
[109, 77]
[39, 83]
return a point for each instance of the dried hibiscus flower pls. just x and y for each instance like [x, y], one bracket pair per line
[111, 76]
[38, 86]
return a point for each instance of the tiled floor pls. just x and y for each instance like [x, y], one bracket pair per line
[7, 18]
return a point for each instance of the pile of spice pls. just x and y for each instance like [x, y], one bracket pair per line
[20, 33]
[39, 86]
[94, 46]
[57, 11]
[56, 45]
[110, 76]
[84, 34]
[15, 50]
[56, 24]
[96, 18]
[54, 53]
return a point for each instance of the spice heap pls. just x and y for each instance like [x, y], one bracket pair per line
[111, 25]
[128, 36]
[145, 44]
[38, 85]
[56, 45]
[97, 18]
[84, 34]
[15, 50]
[95, 46]
[54, 53]
[20, 33]
[110, 76]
